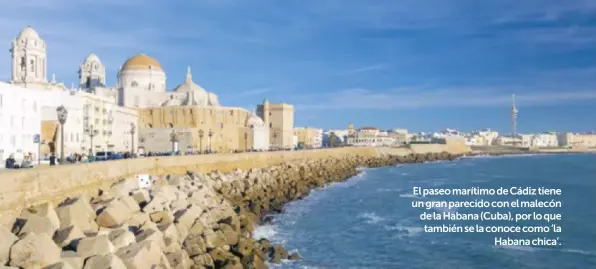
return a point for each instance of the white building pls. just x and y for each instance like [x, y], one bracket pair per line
[371, 137]
[20, 117]
[544, 140]
[317, 139]
[73, 127]
[484, 137]
[260, 139]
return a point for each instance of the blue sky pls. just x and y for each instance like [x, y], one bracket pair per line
[421, 65]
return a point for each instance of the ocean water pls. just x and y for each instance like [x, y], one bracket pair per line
[369, 222]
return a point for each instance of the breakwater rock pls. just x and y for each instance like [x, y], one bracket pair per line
[177, 221]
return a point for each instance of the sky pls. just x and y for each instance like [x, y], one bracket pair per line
[420, 65]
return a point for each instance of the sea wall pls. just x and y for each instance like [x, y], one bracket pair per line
[22, 188]
[189, 220]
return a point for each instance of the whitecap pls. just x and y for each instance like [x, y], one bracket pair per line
[408, 230]
[409, 195]
[371, 218]
[268, 231]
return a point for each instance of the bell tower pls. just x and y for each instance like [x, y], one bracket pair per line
[28, 57]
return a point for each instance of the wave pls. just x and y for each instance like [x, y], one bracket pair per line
[268, 231]
[371, 218]
[389, 190]
[408, 230]
[488, 156]
[535, 249]
[409, 195]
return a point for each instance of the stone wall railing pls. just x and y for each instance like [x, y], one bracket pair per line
[23, 188]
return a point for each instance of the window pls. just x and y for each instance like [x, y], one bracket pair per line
[150, 126]
[134, 84]
[170, 125]
[32, 66]
[231, 112]
[270, 125]
[88, 83]
[221, 125]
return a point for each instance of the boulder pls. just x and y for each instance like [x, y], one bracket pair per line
[7, 239]
[77, 212]
[107, 261]
[187, 217]
[294, 256]
[230, 235]
[45, 210]
[130, 203]
[253, 261]
[137, 219]
[162, 217]
[60, 265]
[34, 252]
[203, 261]
[179, 260]
[96, 245]
[214, 239]
[151, 234]
[195, 245]
[121, 238]
[142, 197]
[134, 256]
[116, 214]
[73, 259]
[67, 236]
[37, 224]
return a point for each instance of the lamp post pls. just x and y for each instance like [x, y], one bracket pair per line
[210, 134]
[92, 133]
[173, 139]
[133, 128]
[62, 114]
[201, 141]
[245, 141]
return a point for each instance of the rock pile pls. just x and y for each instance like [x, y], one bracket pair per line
[186, 221]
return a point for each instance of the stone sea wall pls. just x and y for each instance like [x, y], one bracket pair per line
[26, 187]
[196, 219]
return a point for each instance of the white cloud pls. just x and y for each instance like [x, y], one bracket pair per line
[464, 97]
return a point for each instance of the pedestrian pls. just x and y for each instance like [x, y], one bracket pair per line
[52, 160]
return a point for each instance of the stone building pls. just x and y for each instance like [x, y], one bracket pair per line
[280, 118]
[308, 137]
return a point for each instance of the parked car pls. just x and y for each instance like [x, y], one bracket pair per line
[103, 156]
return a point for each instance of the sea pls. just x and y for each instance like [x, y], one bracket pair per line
[368, 221]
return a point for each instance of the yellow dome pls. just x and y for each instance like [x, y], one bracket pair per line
[141, 62]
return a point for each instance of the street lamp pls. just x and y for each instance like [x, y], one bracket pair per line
[92, 133]
[132, 139]
[173, 139]
[210, 134]
[62, 116]
[245, 141]
[201, 141]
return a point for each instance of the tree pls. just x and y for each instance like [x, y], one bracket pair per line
[334, 140]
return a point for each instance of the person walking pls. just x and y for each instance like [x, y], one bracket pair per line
[52, 160]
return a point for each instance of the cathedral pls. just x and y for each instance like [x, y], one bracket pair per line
[186, 118]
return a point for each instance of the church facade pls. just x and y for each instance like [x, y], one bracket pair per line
[139, 113]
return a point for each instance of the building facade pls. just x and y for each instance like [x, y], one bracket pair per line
[568, 139]
[20, 117]
[371, 137]
[308, 137]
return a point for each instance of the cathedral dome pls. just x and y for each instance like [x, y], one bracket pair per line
[141, 62]
[28, 33]
[254, 121]
[189, 85]
[91, 58]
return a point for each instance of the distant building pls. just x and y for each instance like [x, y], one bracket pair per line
[371, 137]
[577, 140]
[309, 137]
